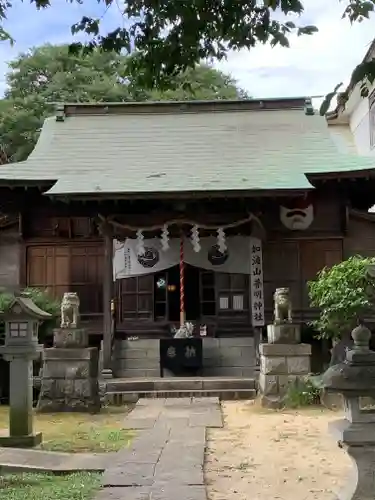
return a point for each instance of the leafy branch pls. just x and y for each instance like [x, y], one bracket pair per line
[344, 295]
[170, 36]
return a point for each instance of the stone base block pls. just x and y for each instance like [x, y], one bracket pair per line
[284, 359]
[284, 333]
[273, 389]
[70, 337]
[70, 381]
[285, 350]
[273, 385]
[280, 366]
[30, 441]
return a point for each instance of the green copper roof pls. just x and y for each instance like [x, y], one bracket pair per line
[176, 151]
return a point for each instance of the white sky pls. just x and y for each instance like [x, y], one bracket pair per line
[313, 65]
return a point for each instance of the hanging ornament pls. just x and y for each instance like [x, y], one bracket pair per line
[140, 242]
[195, 239]
[221, 240]
[164, 238]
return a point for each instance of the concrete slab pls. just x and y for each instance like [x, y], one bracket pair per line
[139, 423]
[141, 493]
[133, 474]
[19, 460]
[211, 419]
[176, 491]
[154, 402]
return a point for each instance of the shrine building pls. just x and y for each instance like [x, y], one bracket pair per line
[166, 212]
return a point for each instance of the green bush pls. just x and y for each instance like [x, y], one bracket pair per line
[5, 301]
[304, 392]
[43, 300]
[344, 295]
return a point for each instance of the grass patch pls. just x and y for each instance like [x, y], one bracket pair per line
[80, 432]
[79, 486]
[303, 392]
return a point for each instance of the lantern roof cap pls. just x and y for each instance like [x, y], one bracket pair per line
[28, 306]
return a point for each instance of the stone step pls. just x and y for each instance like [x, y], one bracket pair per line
[180, 384]
[123, 397]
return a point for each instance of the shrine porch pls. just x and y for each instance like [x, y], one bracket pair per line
[122, 390]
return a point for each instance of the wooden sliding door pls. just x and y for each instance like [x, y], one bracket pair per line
[68, 268]
[135, 298]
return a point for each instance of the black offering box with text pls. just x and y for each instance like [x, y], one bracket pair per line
[182, 356]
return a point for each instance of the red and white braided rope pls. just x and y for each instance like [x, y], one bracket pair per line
[182, 283]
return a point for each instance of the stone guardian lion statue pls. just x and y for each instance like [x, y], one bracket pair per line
[69, 310]
[282, 306]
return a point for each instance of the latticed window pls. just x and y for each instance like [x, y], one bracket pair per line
[19, 329]
[372, 119]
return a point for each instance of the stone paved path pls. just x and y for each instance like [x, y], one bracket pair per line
[165, 461]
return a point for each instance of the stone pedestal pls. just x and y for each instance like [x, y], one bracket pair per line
[69, 380]
[70, 337]
[359, 441]
[21, 433]
[281, 365]
[284, 333]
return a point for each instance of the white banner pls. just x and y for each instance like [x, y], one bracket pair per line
[256, 280]
[127, 262]
[234, 260]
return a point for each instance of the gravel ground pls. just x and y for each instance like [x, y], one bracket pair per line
[267, 455]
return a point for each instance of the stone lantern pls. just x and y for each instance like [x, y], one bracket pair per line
[370, 268]
[20, 348]
[355, 380]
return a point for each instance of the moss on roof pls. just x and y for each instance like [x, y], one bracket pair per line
[156, 151]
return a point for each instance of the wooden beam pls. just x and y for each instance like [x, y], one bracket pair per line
[107, 298]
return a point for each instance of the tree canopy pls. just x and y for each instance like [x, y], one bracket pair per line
[44, 76]
[169, 36]
[344, 295]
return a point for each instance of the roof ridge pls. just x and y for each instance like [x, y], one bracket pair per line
[284, 103]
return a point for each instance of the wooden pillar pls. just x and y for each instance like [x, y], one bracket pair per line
[107, 297]
[257, 342]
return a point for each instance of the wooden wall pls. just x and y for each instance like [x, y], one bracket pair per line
[292, 264]
[10, 258]
[63, 251]
[64, 254]
[360, 236]
[328, 217]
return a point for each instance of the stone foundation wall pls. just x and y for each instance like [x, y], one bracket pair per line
[281, 365]
[222, 357]
[229, 357]
[136, 358]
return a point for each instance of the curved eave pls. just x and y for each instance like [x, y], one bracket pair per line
[27, 183]
[365, 173]
[179, 194]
